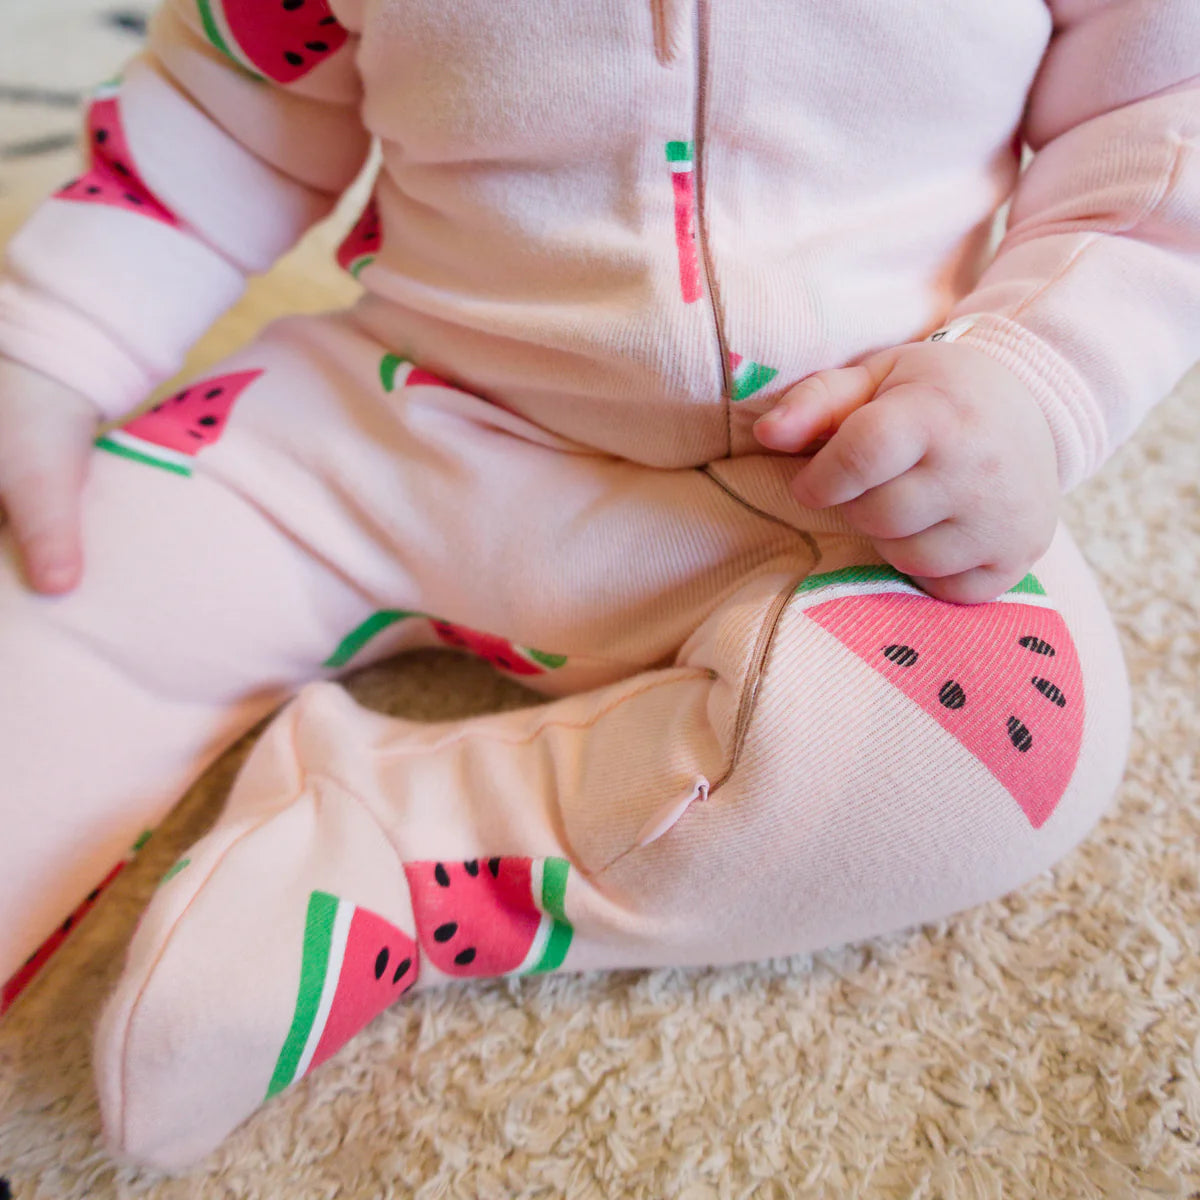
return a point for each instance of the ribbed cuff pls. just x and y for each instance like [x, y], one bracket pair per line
[49, 337]
[1056, 386]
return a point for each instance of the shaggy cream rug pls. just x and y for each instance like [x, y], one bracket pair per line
[1046, 1045]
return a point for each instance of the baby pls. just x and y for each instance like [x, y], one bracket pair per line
[680, 389]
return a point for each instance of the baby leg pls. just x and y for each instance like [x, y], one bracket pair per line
[314, 503]
[832, 755]
[195, 618]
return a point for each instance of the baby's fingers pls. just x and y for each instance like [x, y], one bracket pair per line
[874, 445]
[41, 498]
[815, 407]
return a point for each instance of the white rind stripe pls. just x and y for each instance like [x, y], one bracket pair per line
[333, 972]
[544, 929]
[217, 10]
[150, 449]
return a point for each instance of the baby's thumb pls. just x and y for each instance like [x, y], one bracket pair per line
[815, 408]
[42, 499]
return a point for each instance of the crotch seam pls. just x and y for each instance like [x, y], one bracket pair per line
[751, 682]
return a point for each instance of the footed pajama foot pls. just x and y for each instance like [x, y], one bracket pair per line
[295, 922]
[277, 938]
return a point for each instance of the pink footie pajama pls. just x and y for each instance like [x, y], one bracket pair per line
[586, 274]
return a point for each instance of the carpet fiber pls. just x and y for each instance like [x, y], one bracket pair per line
[1046, 1045]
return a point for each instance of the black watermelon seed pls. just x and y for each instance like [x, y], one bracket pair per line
[209, 420]
[102, 136]
[294, 58]
[441, 875]
[402, 969]
[443, 933]
[328, 21]
[952, 694]
[316, 47]
[465, 957]
[92, 189]
[193, 434]
[213, 393]
[494, 867]
[1036, 645]
[121, 168]
[1019, 735]
[1050, 690]
[68, 923]
[472, 867]
[902, 656]
[179, 397]
[292, 5]
[134, 199]
[92, 895]
[381, 962]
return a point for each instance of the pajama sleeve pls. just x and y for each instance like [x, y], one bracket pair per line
[1093, 297]
[234, 131]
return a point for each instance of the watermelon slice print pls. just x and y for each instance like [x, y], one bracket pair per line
[355, 964]
[279, 39]
[748, 377]
[1003, 678]
[683, 181]
[500, 916]
[112, 179]
[395, 372]
[518, 660]
[361, 244]
[175, 431]
[41, 956]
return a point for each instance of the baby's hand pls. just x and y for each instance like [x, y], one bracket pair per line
[937, 453]
[46, 433]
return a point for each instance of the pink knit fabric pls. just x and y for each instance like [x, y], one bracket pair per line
[604, 239]
[845, 162]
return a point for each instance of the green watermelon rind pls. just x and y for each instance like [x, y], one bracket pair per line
[361, 263]
[389, 367]
[173, 870]
[544, 659]
[872, 578]
[750, 377]
[377, 622]
[220, 36]
[128, 445]
[361, 634]
[326, 927]
[555, 933]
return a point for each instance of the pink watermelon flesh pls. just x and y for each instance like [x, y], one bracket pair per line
[1003, 678]
[362, 243]
[474, 918]
[496, 650]
[112, 178]
[379, 966]
[284, 39]
[361, 962]
[194, 418]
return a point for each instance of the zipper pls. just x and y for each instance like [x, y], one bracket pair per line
[702, 31]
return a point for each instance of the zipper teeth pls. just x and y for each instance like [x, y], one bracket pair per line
[701, 209]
